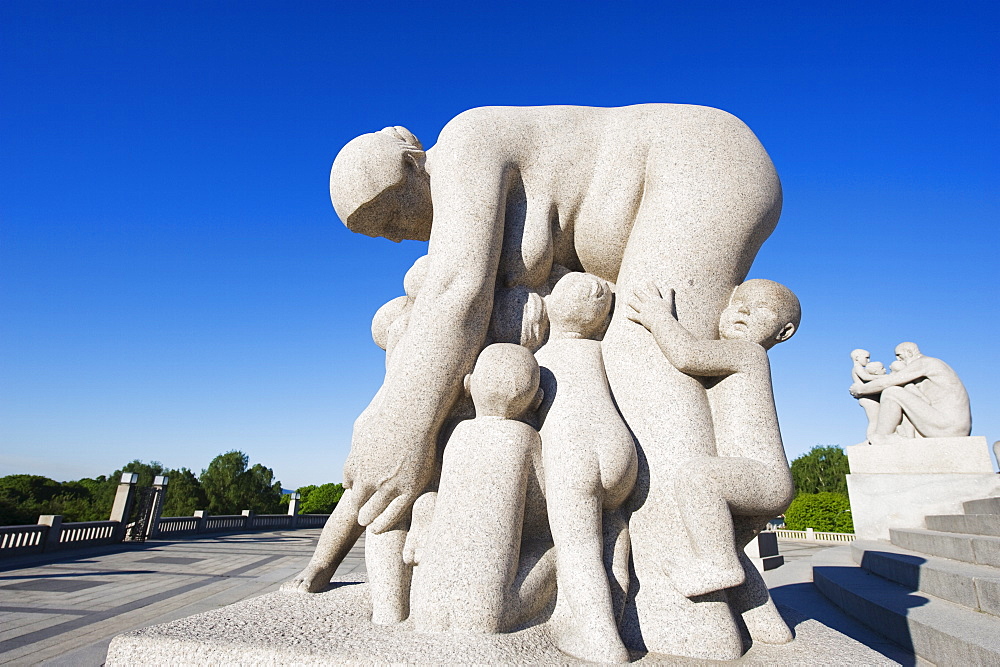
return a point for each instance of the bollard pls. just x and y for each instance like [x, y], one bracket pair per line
[54, 522]
[810, 534]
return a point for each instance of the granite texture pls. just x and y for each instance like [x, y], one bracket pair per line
[333, 627]
[922, 396]
[880, 502]
[922, 456]
[514, 201]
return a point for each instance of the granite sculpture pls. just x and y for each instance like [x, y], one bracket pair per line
[553, 214]
[921, 397]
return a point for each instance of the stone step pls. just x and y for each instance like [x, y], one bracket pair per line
[979, 549]
[974, 586]
[984, 506]
[934, 629]
[971, 524]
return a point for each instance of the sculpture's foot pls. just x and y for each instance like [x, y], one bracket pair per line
[692, 579]
[591, 647]
[313, 579]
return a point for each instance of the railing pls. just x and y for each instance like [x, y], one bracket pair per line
[88, 533]
[177, 525]
[311, 520]
[51, 534]
[273, 521]
[224, 522]
[18, 540]
[810, 534]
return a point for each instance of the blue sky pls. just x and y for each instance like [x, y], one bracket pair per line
[174, 282]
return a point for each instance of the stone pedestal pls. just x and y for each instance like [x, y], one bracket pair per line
[334, 628]
[896, 486]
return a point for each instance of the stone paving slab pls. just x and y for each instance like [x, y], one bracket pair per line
[42, 621]
[48, 629]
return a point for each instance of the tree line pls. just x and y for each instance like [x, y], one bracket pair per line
[228, 485]
[821, 501]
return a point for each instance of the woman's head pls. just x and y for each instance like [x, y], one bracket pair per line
[379, 186]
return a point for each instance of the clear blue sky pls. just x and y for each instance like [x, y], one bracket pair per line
[174, 282]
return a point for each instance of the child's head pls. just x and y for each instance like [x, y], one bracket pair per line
[875, 368]
[897, 365]
[860, 356]
[518, 317]
[579, 306]
[761, 311]
[504, 382]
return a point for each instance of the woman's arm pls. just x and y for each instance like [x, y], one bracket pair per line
[393, 450]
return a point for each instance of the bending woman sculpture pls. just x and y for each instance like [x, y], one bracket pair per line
[682, 195]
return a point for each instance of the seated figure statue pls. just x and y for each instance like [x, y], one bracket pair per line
[751, 476]
[936, 405]
[483, 564]
[590, 469]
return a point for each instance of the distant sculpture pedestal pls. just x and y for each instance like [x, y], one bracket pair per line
[896, 486]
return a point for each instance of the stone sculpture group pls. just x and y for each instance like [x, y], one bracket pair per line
[921, 397]
[576, 425]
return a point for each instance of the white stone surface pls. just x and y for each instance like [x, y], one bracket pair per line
[333, 628]
[880, 502]
[922, 456]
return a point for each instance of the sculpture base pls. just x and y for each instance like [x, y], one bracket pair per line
[333, 627]
[881, 502]
[896, 486]
[919, 456]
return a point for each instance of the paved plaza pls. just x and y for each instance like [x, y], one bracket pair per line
[65, 609]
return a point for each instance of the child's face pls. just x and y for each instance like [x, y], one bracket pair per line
[862, 358]
[750, 316]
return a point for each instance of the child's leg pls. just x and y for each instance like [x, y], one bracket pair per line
[751, 599]
[616, 554]
[388, 576]
[339, 535]
[709, 490]
[584, 622]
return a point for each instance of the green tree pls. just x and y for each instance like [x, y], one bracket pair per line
[321, 499]
[232, 485]
[828, 512]
[184, 493]
[822, 469]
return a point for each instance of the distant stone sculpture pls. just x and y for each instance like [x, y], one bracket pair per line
[922, 392]
[513, 199]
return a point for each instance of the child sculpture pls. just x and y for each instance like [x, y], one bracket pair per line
[388, 575]
[590, 469]
[860, 373]
[479, 567]
[750, 477]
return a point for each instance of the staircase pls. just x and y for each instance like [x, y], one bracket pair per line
[934, 591]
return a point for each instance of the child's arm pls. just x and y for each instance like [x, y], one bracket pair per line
[861, 375]
[688, 354]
